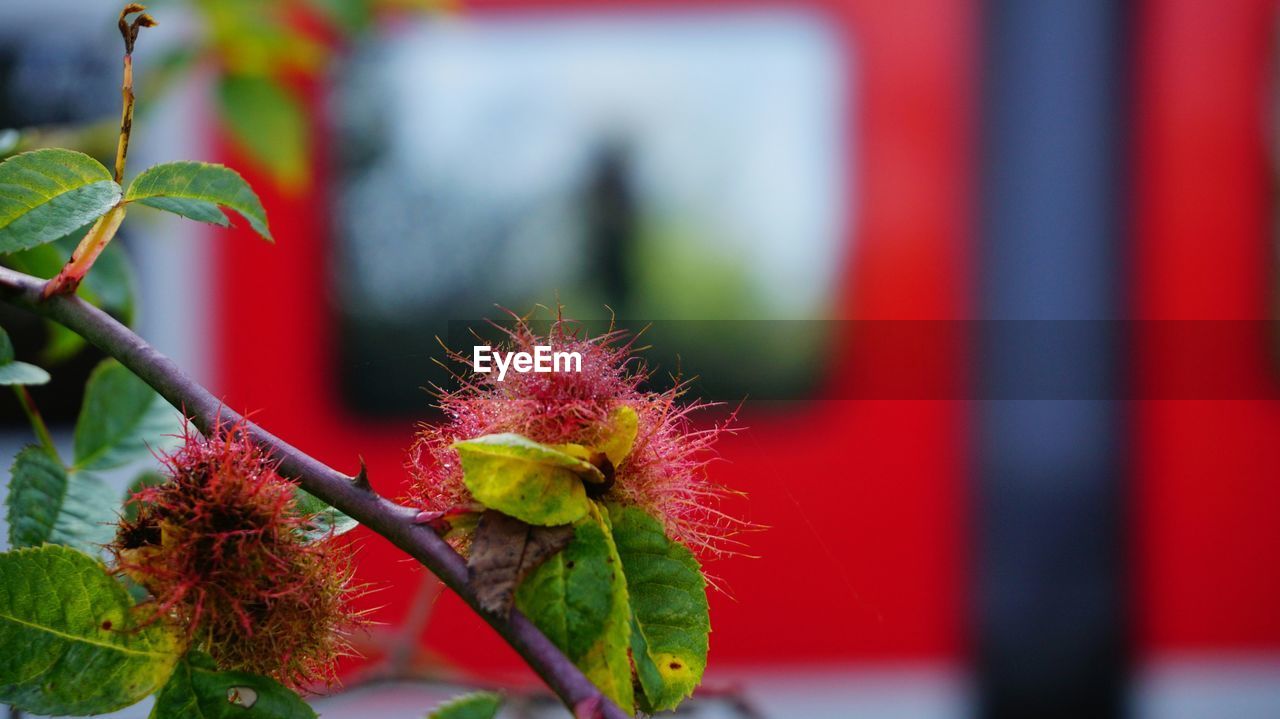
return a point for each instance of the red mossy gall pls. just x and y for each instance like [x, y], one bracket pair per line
[665, 471]
[222, 548]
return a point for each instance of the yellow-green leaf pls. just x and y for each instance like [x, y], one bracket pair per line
[44, 194]
[71, 638]
[578, 598]
[616, 445]
[197, 190]
[623, 426]
[670, 621]
[527, 480]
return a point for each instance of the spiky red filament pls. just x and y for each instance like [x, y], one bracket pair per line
[665, 473]
[221, 547]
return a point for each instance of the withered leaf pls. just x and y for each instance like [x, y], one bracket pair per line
[504, 550]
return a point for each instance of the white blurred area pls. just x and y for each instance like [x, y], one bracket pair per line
[482, 132]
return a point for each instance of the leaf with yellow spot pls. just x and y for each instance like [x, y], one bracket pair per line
[578, 598]
[670, 623]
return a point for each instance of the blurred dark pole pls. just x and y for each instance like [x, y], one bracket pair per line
[611, 222]
[1050, 594]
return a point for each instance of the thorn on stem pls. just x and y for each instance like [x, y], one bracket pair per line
[361, 480]
[426, 517]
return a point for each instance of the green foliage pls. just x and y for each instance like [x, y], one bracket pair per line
[197, 190]
[327, 521]
[46, 504]
[526, 480]
[49, 193]
[13, 372]
[670, 621]
[267, 122]
[476, 705]
[578, 598]
[120, 420]
[621, 591]
[148, 478]
[198, 689]
[72, 642]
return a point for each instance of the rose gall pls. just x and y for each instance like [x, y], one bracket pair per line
[221, 548]
[664, 474]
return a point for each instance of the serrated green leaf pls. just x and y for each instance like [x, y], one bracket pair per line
[670, 620]
[529, 481]
[578, 598]
[476, 705]
[197, 190]
[44, 194]
[268, 122]
[121, 420]
[198, 689]
[72, 642]
[326, 521]
[46, 504]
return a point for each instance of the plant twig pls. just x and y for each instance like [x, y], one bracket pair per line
[388, 519]
[37, 422]
[128, 31]
[105, 228]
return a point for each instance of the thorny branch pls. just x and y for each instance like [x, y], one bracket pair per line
[351, 495]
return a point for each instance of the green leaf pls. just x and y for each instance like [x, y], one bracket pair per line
[529, 481]
[325, 520]
[71, 638]
[47, 505]
[198, 689]
[670, 621]
[578, 598]
[44, 194]
[149, 478]
[197, 190]
[476, 705]
[351, 16]
[121, 420]
[13, 372]
[22, 373]
[268, 123]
